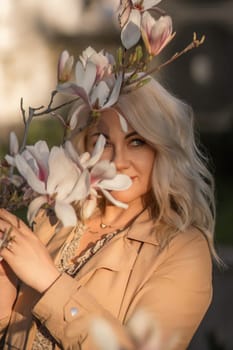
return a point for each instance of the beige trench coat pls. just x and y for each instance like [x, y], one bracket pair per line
[129, 273]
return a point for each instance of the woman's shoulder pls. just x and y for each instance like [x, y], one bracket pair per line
[191, 244]
[191, 237]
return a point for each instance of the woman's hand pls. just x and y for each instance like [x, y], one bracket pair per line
[26, 255]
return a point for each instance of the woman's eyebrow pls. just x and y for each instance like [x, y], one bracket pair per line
[133, 133]
[99, 133]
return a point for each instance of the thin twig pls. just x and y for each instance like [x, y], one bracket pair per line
[194, 44]
[23, 111]
[37, 112]
[49, 110]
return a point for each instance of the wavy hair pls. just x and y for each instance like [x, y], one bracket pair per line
[182, 186]
[182, 193]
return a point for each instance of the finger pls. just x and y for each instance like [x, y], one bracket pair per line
[13, 220]
[4, 227]
[9, 238]
[7, 232]
[6, 253]
[10, 218]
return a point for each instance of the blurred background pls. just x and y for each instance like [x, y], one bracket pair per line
[32, 35]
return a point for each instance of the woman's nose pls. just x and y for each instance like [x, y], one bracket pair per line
[121, 159]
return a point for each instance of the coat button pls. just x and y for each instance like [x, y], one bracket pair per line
[73, 311]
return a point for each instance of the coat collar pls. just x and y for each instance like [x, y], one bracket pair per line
[143, 230]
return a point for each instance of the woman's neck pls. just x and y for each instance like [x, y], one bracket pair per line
[116, 216]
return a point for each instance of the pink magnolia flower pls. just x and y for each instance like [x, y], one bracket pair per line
[55, 177]
[156, 34]
[130, 19]
[103, 61]
[65, 65]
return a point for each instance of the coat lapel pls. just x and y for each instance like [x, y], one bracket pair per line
[118, 253]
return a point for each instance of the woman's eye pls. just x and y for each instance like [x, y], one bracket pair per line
[107, 144]
[137, 142]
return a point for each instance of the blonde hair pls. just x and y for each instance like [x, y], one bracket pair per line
[182, 187]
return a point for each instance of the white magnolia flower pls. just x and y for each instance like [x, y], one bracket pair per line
[130, 19]
[103, 61]
[103, 176]
[55, 177]
[94, 82]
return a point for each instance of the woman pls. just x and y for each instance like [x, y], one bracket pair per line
[154, 256]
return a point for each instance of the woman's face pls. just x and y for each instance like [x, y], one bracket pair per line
[130, 153]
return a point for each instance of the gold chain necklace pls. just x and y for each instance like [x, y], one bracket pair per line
[102, 225]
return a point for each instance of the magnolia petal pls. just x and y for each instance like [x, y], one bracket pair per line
[148, 22]
[148, 4]
[10, 160]
[123, 122]
[102, 63]
[156, 34]
[80, 116]
[103, 170]
[31, 162]
[65, 64]
[100, 94]
[97, 151]
[69, 148]
[113, 200]
[124, 12]
[85, 78]
[88, 207]
[14, 144]
[88, 52]
[81, 188]
[31, 178]
[84, 159]
[120, 182]
[115, 92]
[164, 32]
[40, 152]
[131, 33]
[64, 56]
[34, 207]
[68, 68]
[161, 33]
[65, 213]
[111, 58]
[73, 89]
[63, 173]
